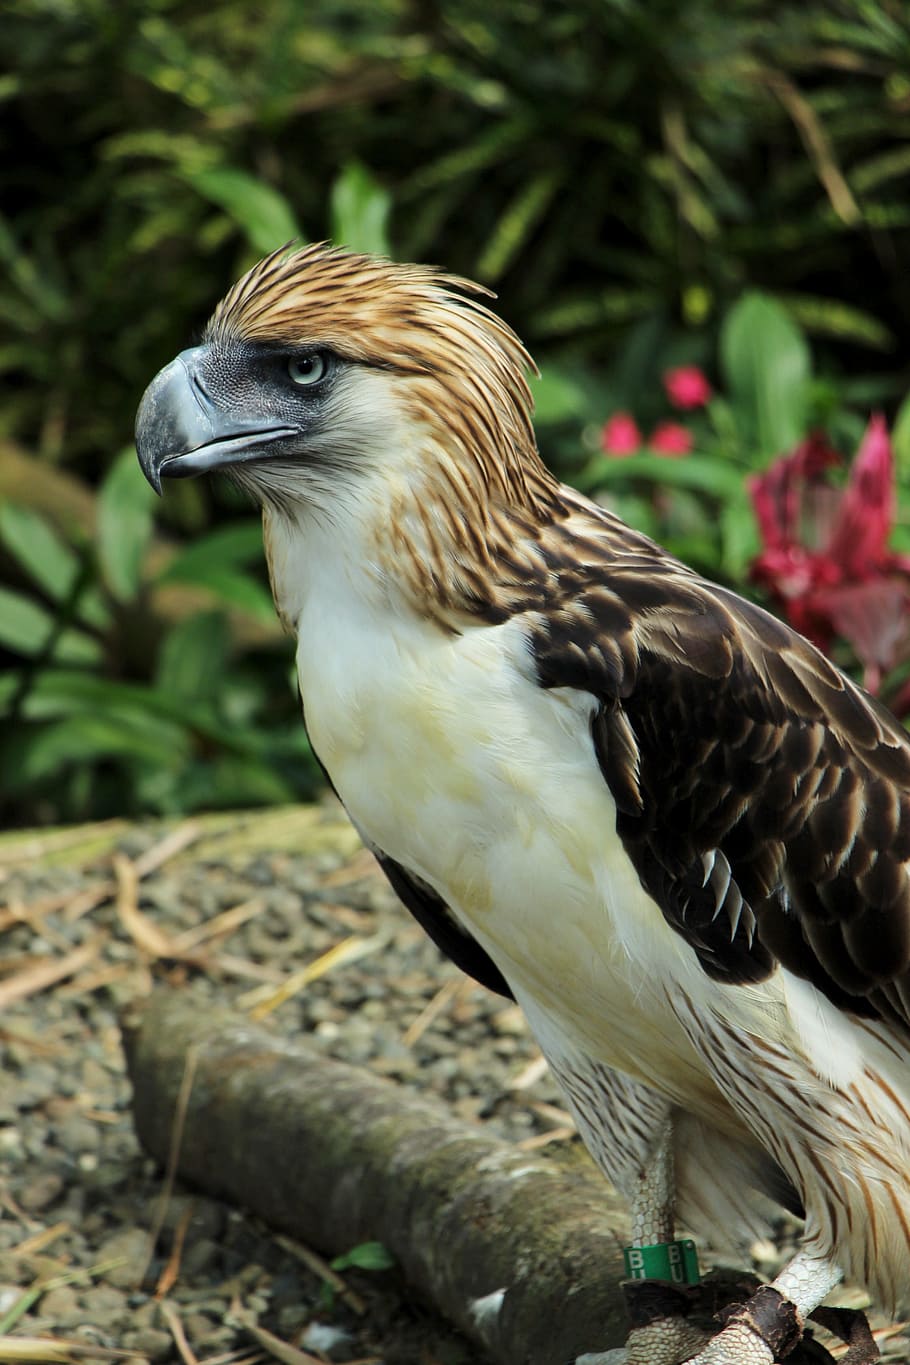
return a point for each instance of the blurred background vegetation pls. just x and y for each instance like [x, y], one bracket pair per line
[645, 184]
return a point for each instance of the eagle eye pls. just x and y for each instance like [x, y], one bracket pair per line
[308, 370]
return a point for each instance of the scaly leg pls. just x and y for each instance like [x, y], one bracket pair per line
[774, 1315]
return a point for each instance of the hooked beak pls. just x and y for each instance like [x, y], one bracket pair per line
[181, 432]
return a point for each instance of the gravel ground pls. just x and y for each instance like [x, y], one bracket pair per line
[227, 907]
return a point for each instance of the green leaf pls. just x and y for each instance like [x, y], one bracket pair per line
[39, 549]
[900, 439]
[86, 738]
[360, 211]
[258, 209]
[193, 657]
[239, 542]
[558, 397]
[516, 224]
[766, 365]
[50, 561]
[697, 472]
[124, 524]
[366, 1256]
[238, 590]
[26, 628]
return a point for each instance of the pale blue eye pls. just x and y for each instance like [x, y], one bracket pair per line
[308, 369]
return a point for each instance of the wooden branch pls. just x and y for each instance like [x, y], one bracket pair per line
[519, 1252]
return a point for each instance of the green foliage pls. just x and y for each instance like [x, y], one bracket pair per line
[366, 1256]
[208, 722]
[765, 361]
[644, 185]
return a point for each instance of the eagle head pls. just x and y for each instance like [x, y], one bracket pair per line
[321, 368]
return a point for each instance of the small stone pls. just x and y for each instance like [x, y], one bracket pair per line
[152, 1342]
[39, 1193]
[62, 1306]
[130, 1249]
[103, 1302]
[200, 1256]
[78, 1134]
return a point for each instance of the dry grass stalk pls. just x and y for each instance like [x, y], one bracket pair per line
[535, 1071]
[33, 1350]
[172, 1318]
[171, 1272]
[39, 1241]
[281, 1350]
[48, 973]
[313, 1261]
[170, 1174]
[264, 1000]
[440, 1001]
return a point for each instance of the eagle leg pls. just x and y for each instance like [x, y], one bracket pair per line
[661, 1333]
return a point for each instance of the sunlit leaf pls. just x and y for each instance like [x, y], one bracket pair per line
[27, 628]
[766, 366]
[237, 543]
[696, 472]
[233, 588]
[360, 211]
[261, 211]
[38, 548]
[124, 524]
[900, 439]
[558, 397]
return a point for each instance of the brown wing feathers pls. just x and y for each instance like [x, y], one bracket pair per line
[764, 800]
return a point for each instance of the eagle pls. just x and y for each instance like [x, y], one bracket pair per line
[624, 795]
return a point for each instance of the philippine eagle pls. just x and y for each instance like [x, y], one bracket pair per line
[639, 804]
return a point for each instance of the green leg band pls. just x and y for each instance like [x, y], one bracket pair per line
[674, 1261]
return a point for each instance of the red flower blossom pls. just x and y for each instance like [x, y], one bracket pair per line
[620, 435]
[671, 438]
[687, 387]
[825, 556]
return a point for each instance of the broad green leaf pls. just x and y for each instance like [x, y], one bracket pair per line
[26, 628]
[124, 524]
[264, 215]
[360, 211]
[697, 472]
[238, 543]
[193, 657]
[558, 397]
[39, 549]
[739, 535]
[234, 589]
[766, 366]
[900, 439]
[80, 739]
[50, 561]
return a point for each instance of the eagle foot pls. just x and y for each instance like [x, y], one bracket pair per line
[675, 1324]
[765, 1329]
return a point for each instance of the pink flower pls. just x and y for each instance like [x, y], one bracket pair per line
[825, 556]
[687, 387]
[620, 435]
[671, 438]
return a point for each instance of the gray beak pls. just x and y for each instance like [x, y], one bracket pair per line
[181, 432]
